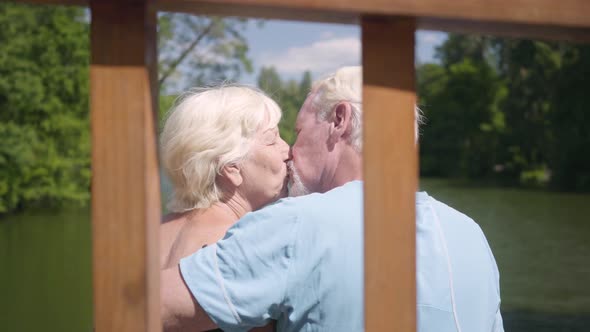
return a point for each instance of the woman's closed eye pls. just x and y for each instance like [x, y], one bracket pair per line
[271, 138]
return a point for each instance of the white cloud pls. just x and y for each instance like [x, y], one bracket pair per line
[433, 38]
[320, 57]
[326, 35]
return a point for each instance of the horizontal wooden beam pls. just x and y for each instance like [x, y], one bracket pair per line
[536, 19]
[52, 2]
[571, 13]
[265, 11]
[564, 13]
[509, 30]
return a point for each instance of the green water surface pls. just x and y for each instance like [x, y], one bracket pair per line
[45, 272]
[541, 241]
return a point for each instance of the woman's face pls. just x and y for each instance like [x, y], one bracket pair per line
[264, 171]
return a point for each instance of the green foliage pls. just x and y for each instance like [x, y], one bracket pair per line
[460, 103]
[529, 69]
[165, 104]
[569, 157]
[459, 47]
[514, 109]
[290, 96]
[507, 109]
[45, 147]
[44, 113]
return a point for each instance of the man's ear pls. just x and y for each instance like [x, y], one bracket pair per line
[232, 174]
[340, 122]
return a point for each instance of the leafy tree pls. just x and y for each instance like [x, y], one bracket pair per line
[461, 107]
[199, 50]
[290, 96]
[44, 154]
[569, 156]
[44, 115]
[460, 47]
[529, 69]
[305, 85]
[511, 105]
[270, 82]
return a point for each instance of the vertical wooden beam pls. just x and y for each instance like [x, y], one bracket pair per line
[125, 179]
[390, 172]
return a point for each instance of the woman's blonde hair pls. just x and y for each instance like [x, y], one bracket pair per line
[208, 129]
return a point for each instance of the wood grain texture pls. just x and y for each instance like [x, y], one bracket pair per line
[505, 18]
[125, 178]
[535, 19]
[508, 30]
[52, 2]
[391, 174]
[563, 13]
[550, 12]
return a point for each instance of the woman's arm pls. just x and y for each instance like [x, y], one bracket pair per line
[178, 309]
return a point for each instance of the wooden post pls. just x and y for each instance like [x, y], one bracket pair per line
[390, 172]
[125, 179]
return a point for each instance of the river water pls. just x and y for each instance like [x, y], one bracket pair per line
[540, 240]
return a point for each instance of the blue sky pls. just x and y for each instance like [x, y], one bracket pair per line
[293, 47]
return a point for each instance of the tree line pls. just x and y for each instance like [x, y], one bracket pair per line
[509, 110]
[44, 112]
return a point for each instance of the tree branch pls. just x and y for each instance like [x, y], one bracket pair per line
[184, 54]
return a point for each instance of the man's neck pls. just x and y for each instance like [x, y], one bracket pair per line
[349, 167]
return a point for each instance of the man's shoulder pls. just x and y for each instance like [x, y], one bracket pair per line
[451, 217]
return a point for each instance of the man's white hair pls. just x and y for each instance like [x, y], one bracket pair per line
[208, 129]
[346, 85]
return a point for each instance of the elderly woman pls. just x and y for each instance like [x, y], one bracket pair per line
[222, 151]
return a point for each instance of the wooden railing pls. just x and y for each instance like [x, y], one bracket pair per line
[125, 184]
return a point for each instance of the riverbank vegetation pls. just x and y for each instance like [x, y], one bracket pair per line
[510, 112]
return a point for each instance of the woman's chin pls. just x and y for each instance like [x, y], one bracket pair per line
[284, 191]
[279, 193]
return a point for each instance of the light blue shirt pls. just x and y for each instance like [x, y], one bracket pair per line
[300, 261]
[457, 277]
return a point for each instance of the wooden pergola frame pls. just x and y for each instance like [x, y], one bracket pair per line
[125, 181]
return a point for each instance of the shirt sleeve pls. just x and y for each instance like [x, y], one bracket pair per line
[498, 323]
[241, 281]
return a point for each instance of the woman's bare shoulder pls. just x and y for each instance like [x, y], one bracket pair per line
[169, 230]
[170, 217]
[203, 228]
[170, 225]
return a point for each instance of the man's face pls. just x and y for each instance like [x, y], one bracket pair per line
[310, 154]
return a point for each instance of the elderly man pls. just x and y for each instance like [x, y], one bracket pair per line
[300, 261]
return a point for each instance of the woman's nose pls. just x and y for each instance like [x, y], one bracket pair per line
[286, 150]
